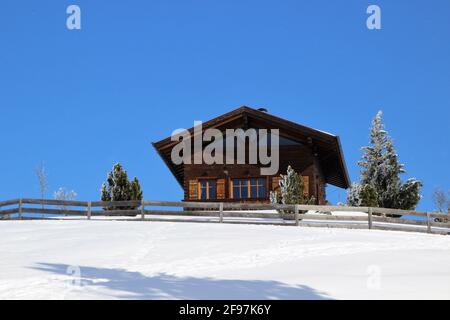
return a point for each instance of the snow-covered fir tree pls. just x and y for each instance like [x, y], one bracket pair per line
[361, 195]
[380, 175]
[291, 190]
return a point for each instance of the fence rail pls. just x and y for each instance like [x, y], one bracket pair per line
[222, 212]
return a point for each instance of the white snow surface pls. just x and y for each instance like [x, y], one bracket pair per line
[164, 260]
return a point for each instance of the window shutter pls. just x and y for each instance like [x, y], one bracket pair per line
[220, 185]
[193, 189]
[306, 184]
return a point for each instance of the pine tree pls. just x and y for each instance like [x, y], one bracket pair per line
[369, 196]
[291, 190]
[354, 195]
[105, 195]
[362, 195]
[409, 194]
[136, 192]
[119, 188]
[381, 171]
[274, 197]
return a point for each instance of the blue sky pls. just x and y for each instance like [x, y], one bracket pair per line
[81, 100]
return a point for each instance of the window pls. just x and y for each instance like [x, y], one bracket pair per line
[249, 188]
[207, 189]
[240, 188]
[258, 188]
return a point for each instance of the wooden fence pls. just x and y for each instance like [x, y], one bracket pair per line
[222, 212]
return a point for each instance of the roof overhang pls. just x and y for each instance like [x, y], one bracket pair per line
[327, 146]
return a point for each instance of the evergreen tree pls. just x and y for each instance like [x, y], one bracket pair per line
[291, 190]
[274, 197]
[381, 171]
[119, 188]
[105, 195]
[409, 194]
[362, 195]
[353, 195]
[368, 196]
[136, 192]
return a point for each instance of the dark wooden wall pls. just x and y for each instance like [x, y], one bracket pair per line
[299, 157]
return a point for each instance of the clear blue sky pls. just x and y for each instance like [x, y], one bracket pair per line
[81, 100]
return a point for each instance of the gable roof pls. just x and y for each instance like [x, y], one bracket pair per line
[326, 145]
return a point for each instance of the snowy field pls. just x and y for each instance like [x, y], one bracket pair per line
[164, 260]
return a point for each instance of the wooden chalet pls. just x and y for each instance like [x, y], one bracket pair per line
[315, 154]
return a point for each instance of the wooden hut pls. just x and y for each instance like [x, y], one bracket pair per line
[315, 154]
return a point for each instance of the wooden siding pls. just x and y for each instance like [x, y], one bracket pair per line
[300, 157]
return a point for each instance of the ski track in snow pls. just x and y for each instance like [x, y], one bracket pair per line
[280, 252]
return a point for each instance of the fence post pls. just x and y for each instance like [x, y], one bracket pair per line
[142, 210]
[370, 217]
[221, 212]
[428, 223]
[89, 210]
[296, 214]
[20, 208]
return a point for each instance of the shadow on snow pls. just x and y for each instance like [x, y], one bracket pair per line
[135, 285]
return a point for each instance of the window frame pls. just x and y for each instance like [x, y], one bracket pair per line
[210, 183]
[258, 179]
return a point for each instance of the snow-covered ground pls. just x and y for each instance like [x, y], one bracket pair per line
[165, 260]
